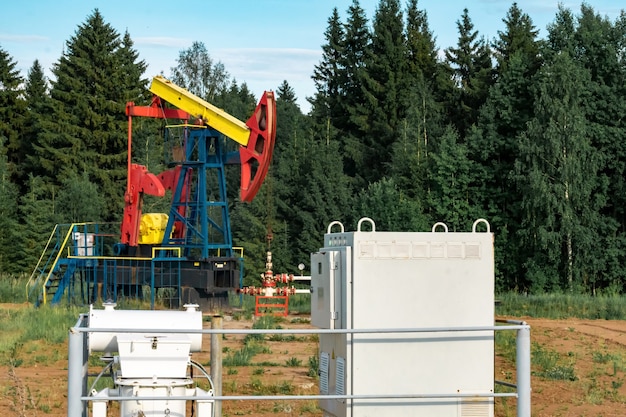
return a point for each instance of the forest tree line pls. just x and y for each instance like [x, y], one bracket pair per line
[527, 133]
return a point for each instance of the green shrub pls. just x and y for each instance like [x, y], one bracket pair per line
[294, 362]
[314, 366]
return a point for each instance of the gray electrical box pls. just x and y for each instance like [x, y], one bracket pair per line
[400, 280]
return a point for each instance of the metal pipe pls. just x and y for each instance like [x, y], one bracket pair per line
[78, 357]
[309, 331]
[216, 363]
[306, 397]
[505, 384]
[77, 370]
[523, 371]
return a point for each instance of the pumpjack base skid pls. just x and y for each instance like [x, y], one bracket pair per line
[206, 283]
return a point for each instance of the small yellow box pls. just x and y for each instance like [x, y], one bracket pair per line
[152, 228]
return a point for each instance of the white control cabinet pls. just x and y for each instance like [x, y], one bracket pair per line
[401, 280]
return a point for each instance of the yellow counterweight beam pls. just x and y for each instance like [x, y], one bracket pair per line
[212, 116]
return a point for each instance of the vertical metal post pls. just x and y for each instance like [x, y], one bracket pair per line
[77, 372]
[523, 371]
[152, 290]
[216, 363]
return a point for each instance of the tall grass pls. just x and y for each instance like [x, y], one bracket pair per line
[19, 326]
[13, 288]
[562, 306]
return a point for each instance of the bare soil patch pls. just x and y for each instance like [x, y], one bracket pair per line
[579, 369]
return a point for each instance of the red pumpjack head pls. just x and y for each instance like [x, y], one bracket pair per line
[256, 157]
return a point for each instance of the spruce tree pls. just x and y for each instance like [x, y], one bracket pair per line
[354, 123]
[281, 186]
[79, 198]
[450, 181]
[12, 114]
[472, 72]
[38, 104]
[494, 143]
[133, 85]
[519, 37]
[386, 89]
[326, 75]
[391, 209]
[10, 242]
[423, 114]
[85, 131]
[421, 48]
[38, 218]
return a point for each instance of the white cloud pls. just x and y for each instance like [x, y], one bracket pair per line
[266, 68]
[23, 38]
[161, 41]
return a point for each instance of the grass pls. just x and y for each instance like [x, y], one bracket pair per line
[13, 288]
[505, 342]
[257, 387]
[243, 356]
[551, 365]
[20, 326]
[562, 306]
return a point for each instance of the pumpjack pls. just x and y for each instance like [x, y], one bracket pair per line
[188, 250]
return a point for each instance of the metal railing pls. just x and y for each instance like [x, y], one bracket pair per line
[78, 355]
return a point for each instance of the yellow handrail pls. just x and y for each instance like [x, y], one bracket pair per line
[235, 249]
[56, 260]
[43, 253]
[176, 249]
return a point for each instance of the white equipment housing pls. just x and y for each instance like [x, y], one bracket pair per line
[405, 280]
[150, 365]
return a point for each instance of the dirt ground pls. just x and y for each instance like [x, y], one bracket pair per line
[579, 369]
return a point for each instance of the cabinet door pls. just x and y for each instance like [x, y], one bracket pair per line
[326, 290]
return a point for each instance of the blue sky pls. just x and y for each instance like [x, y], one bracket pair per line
[261, 42]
